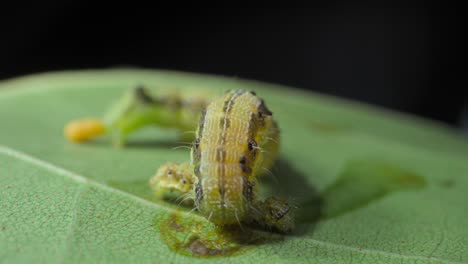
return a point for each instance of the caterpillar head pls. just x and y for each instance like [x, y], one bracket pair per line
[173, 181]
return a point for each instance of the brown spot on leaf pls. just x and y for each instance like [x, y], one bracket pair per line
[191, 236]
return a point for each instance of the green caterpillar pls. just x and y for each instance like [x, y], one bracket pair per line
[236, 139]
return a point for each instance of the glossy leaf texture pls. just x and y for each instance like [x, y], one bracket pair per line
[370, 185]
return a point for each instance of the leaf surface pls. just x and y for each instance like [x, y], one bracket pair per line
[371, 186]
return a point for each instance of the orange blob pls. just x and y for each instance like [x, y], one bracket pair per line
[84, 129]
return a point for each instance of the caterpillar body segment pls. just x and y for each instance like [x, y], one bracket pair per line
[227, 155]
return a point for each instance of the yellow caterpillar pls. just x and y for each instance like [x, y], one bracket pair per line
[237, 138]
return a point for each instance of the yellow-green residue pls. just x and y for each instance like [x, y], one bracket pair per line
[199, 238]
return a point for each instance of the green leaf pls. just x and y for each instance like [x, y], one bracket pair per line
[371, 186]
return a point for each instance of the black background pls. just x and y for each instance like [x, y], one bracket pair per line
[397, 57]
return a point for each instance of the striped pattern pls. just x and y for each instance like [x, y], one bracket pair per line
[226, 154]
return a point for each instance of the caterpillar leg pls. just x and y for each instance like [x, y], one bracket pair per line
[174, 182]
[274, 214]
